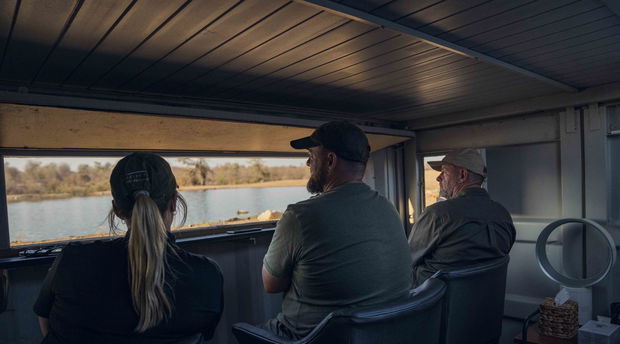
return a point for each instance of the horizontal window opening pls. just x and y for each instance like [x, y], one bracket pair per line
[53, 199]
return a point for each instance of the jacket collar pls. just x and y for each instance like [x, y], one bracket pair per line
[473, 192]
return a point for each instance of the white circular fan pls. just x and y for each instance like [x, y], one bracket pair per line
[578, 288]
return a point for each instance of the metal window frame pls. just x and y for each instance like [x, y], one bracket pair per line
[422, 185]
[5, 242]
[182, 109]
[4, 216]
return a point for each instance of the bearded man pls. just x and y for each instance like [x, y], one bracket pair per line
[344, 247]
[465, 229]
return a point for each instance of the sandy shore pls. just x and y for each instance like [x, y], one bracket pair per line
[271, 184]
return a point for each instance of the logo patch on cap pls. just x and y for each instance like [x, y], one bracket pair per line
[136, 177]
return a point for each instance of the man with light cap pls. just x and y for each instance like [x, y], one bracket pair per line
[466, 229]
[344, 247]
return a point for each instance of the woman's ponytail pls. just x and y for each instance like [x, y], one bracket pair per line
[148, 240]
[146, 198]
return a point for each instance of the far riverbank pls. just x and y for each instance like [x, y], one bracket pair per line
[270, 184]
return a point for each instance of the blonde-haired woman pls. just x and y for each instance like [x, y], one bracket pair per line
[138, 289]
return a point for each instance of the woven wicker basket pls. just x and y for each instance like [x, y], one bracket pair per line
[559, 321]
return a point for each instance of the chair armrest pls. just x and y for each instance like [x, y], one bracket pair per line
[526, 325]
[249, 334]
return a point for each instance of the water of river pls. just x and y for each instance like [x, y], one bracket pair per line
[52, 219]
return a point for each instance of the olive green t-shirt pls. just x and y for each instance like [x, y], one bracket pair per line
[345, 247]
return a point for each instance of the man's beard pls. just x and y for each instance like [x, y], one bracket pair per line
[446, 190]
[443, 192]
[317, 181]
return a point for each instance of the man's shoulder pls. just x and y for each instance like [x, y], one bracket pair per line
[448, 211]
[467, 207]
[342, 194]
[462, 204]
[313, 202]
[498, 206]
[491, 209]
[445, 207]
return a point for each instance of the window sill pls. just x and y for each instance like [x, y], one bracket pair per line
[10, 258]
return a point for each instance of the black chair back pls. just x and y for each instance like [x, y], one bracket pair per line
[474, 303]
[415, 320]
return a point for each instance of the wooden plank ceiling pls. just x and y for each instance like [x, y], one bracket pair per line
[293, 55]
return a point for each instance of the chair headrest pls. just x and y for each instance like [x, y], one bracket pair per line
[473, 270]
[423, 297]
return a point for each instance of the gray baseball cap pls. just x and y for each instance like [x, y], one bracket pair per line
[468, 158]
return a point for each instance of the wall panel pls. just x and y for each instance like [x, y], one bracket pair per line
[526, 180]
[542, 127]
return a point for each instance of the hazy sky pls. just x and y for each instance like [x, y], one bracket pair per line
[20, 162]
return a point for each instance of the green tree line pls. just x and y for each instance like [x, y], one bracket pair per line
[198, 172]
[52, 178]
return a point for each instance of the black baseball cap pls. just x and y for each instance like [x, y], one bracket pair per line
[343, 138]
[142, 172]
